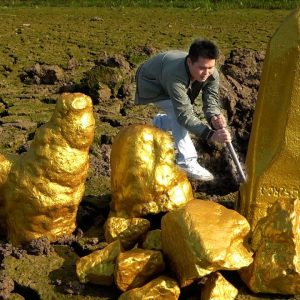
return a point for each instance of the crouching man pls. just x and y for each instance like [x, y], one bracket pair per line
[172, 80]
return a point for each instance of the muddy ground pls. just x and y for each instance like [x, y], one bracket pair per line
[46, 51]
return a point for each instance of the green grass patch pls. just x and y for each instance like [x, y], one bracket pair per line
[195, 4]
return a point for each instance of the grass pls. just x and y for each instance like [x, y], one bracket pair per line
[194, 4]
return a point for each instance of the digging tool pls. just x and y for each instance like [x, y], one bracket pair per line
[236, 161]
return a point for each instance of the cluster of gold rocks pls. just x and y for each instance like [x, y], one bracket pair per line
[41, 190]
[270, 198]
[197, 238]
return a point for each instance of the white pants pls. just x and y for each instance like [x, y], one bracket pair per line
[184, 145]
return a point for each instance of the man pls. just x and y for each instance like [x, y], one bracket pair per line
[172, 80]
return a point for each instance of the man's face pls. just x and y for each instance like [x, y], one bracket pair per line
[202, 68]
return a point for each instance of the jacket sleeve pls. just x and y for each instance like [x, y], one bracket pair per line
[210, 98]
[184, 110]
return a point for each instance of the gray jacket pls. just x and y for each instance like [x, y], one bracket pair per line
[166, 76]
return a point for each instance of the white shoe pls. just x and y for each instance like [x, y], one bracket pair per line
[195, 171]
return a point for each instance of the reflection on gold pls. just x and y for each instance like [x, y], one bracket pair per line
[144, 177]
[128, 231]
[161, 288]
[45, 185]
[217, 287]
[135, 267]
[273, 186]
[98, 267]
[204, 237]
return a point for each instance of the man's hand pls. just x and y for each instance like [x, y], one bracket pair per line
[221, 136]
[218, 122]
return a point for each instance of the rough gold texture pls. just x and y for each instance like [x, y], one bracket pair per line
[273, 154]
[153, 240]
[135, 267]
[161, 288]
[128, 231]
[273, 162]
[276, 243]
[144, 176]
[204, 237]
[98, 267]
[46, 184]
[218, 288]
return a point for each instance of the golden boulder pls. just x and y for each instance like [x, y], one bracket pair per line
[276, 240]
[161, 288]
[272, 163]
[144, 176]
[45, 185]
[153, 240]
[218, 288]
[135, 267]
[98, 267]
[128, 231]
[204, 237]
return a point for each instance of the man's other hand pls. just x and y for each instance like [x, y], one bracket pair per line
[218, 122]
[221, 136]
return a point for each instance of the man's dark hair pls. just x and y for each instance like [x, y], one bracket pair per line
[203, 48]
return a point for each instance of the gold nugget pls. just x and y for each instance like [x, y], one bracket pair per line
[161, 288]
[144, 176]
[45, 185]
[204, 237]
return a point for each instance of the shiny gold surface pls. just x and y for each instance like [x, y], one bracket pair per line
[269, 199]
[273, 153]
[161, 288]
[276, 241]
[218, 288]
[153, 240]
[135, 267]
[98, 267]
[128, 231]
[204, 237]
[144, 177]
[46, 184]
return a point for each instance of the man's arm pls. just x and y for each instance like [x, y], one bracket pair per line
[210, 98]
[184, 110]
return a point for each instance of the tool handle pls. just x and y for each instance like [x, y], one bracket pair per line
[236, 161]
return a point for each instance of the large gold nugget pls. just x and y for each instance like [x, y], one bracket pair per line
[204, 237]
[273, 158]
[45, 186]
[218, 288]
[5, 166]
[98, 267]
[135, 267]
[161, 288]
[144, 177]
[276, 240]
[128, 231]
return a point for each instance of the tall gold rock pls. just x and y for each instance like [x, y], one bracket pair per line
[161, 288]
[273, 166]
[98, 267]
[204, 237]
[218, 288]
[45, 185]
[135, 267]
[144, 177]
[273, 154]
[128, 231]
[276, 242]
